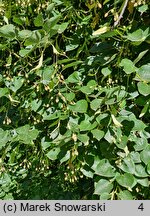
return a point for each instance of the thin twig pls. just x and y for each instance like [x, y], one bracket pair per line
[121, 14]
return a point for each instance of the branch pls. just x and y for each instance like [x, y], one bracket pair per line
[121, 14]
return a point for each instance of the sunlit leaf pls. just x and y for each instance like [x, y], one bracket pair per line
[52, 154]
[4, 137]
[143, 73]
[104, 169]
[8, 31]
[145, 155]
[103, 186]
[95, 104]
[126, 180]
[128, 66]
[125, 195]
[80, 106]
[101, 30]
[143, 88]
[98, 134]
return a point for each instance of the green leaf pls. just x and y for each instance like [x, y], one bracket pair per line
[85, 125]
[92, 84]
[74, 78]
[38, 21]
[45, 144]
[144, 182]
[61, 28]
[140, 143]
[58, 2]
[103, 186]
[66, 157]
[105, 196]
[24, 52]
[140, 171]
[53, 154]
[9, 196]
[110, 101]
[143, 73]
[148, 168]
[140, 56]
[98, 134]
[102, 117]
[47, 73]
[19, 20]
[5, 179]
[83, 138]
[95, 104]
[26, 134]
[135, 157]
[145, 155]
[73, 124]
[125, 195]
[35, 104]
[87, 171]
[73, 64]
[138, 35]
[15, 84]
[33, 39]
[143, 88]
[139, 125]
[89, 88]
[50, 114]
[51, 33]
[8, 31]
[108, 136]
[143, 8]
[69, 96]
[122, 142]
[71, 47]
[127, 180]
[1, 79]
[80, 106]
[86, 89]
[104, 169]
[106, 71]
[128, 66]
[4, 92]
[127, 165]
[4, 138]
[50, 8]
[50, 23]
[144, 110]
[24, 34]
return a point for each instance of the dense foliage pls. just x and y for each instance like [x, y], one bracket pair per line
[74, 99]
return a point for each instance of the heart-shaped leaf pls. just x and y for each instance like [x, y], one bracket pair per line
[81, 106]
[95, 104]
[8, 31]
[127, 180]
[143, 88]
[125, 195]
[128, 66]
[104, 169]
[52, 154]
[103, 186]
[143, 73]
[98, 134]
[127, 165]
[145, 155]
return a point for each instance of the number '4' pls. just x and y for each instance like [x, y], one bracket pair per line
[141, 207]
